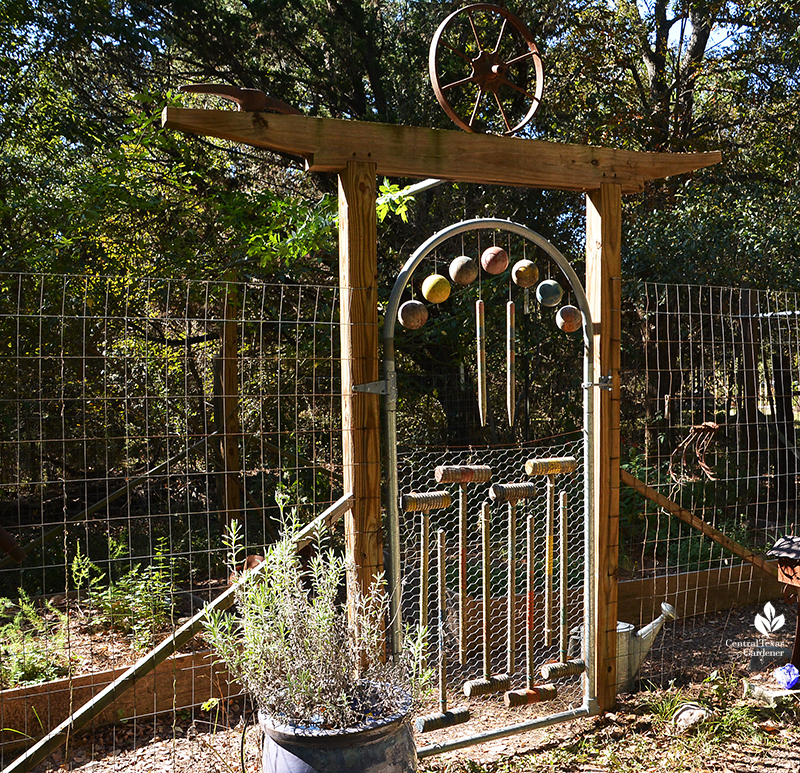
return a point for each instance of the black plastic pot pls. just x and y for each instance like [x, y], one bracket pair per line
[382, 746]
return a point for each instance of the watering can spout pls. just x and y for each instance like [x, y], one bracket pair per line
[633, 646]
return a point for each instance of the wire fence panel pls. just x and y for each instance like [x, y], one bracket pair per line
[711, 420]
[140, 416]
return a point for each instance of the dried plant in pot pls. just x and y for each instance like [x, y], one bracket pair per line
[328, 698]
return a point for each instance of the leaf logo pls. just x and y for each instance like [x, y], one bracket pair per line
[769, 622]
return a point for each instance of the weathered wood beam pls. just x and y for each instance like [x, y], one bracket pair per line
[329, 144]
[358, 328]
[695, 521]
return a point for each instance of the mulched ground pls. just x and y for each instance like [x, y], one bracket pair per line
[632, 738]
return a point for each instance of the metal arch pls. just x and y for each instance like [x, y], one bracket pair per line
[390, 412]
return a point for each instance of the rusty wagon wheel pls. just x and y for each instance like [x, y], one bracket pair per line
[486, 70]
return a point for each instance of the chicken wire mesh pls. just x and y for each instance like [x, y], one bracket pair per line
[139, 417]
[710, 405]
[552, 639]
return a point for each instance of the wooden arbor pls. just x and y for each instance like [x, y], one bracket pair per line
[358, 153]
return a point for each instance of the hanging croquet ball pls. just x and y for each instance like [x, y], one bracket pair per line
[549, 293]
[568, 319]
[413, 315]
[525, 273]
[494, 260]
[435, 288]
[463, 270]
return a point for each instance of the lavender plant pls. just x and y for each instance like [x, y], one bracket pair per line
[293, 646]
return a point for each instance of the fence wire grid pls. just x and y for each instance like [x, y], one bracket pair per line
[710, 407]
[140, 416]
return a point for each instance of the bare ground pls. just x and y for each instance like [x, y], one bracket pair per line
[698, 660]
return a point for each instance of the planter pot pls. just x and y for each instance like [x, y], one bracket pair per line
[381, 746]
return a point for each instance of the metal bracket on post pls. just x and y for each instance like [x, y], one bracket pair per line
[375, 387]
[604, 382]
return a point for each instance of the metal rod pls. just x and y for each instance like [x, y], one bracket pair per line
[504, 732]
[530, 604]
[442, 577]
[487, 592]
[424, 569]
[512, 588]
[480, 333]
[462, 574]
[511, 344]
[563, 592]
[86, 713]
[444, 718]
[548, 562]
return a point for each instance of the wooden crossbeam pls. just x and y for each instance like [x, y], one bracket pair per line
[328, 144]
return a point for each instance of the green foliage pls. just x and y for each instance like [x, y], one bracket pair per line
[138, 603]
[33, 642]
[296, 650]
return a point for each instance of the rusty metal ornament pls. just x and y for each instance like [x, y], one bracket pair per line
[480, 63]
[247, 100]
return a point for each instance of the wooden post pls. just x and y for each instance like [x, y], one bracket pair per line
[603, 289]
[229, 495]
[358, 271]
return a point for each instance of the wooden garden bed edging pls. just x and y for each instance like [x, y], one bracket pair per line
[179, 682]
[639, 601]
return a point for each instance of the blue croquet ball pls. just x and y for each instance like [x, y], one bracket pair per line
[549, 293]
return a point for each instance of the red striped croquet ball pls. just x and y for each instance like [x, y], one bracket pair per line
[569, 319]
[494, 260]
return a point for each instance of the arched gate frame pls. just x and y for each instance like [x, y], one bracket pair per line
[359, 152]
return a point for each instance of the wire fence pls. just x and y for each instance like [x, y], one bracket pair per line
[711, 401]
[139, 418]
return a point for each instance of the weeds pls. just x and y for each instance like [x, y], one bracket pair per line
[32, 642]
[138, 603]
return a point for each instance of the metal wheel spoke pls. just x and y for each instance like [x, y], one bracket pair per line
[518, 88]
[500, 36]
[502, 112]
[474, 31]
[456, 51]
[487, 68]
[468, 79]
[520, 58]
[475, 109]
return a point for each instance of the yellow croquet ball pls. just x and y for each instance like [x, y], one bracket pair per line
[525, 273]
[436, 288]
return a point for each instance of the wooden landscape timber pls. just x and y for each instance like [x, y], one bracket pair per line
[180, 682]
[673, 508]
[329, 144]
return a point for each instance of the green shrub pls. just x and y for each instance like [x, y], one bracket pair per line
[33, 643]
